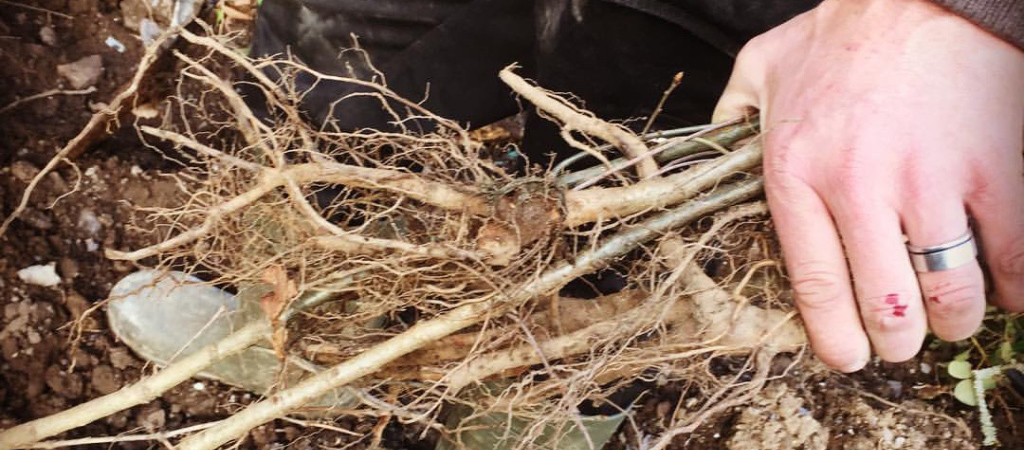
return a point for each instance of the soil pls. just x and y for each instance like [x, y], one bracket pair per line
[90, 203]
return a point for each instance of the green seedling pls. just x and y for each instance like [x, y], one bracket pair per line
[1001, 351]
[964, 391]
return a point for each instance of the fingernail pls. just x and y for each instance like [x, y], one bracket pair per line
[855, 366]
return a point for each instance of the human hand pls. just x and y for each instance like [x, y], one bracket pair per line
[884, 119]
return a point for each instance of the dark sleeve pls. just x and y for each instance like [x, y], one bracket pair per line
[1004, 18]
[744, 19]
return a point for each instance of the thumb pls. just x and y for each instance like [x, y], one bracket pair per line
[742, 93]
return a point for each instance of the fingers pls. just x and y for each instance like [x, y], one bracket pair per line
[997, 203]
[740, 95]
[954, 298]
[885, 284]
[817, 271]
[736, 101]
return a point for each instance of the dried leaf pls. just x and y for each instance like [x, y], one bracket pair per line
[275, 302]
[284, 290]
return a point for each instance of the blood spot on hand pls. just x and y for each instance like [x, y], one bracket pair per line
[899, 310]
[934, 299]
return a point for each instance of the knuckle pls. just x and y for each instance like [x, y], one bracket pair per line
[851, 177]
[953, 299]
[891, 313]
[817, 285]
[783, 169]
[884, 323]
[1010, 263]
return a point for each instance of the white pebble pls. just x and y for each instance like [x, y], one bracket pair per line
[88, 222]
[926, 368]
[199, 386]
[115, 44]
[148, 31]
[48, 36]
[40, 275]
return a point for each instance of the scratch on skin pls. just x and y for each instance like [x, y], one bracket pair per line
[898, 310]
[934, 299]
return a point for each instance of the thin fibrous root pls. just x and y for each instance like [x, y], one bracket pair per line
[583, 206]
[423, 333]
[573, 119]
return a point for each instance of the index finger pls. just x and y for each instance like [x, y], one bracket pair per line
[817, 269]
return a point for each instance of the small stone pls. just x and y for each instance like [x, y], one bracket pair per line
[115, 44]
[9, 349]
[82, 73]
[104, 379]
[895, 388]
[77, 304]
[887, 436]
[48, 36]
[34, 337]
[120, 358]
[78, 7]
[149, 30]
[89, 223]
[40, 275]
[119, 419]
[13, 328]
[36, 219]
[67, 385]
[83, 359]
[292, 434]
[145, 111]
[57, 182]
[24, 171]
[68, 268]
[662, 409]
[926, 368]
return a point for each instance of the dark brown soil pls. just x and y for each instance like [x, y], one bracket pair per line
[87, 206]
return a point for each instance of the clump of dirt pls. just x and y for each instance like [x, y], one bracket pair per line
[777, 418]
[83, 207]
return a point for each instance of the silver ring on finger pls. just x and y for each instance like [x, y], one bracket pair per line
[945, 256]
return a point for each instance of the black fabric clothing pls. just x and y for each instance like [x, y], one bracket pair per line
[616, 56]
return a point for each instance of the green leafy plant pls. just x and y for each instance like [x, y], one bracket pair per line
[964, 391]
[1000, 346]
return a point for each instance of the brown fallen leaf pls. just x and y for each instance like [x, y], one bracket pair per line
[275, 301]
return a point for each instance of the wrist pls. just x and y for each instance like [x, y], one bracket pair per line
[1002, 18]
[919, 23]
